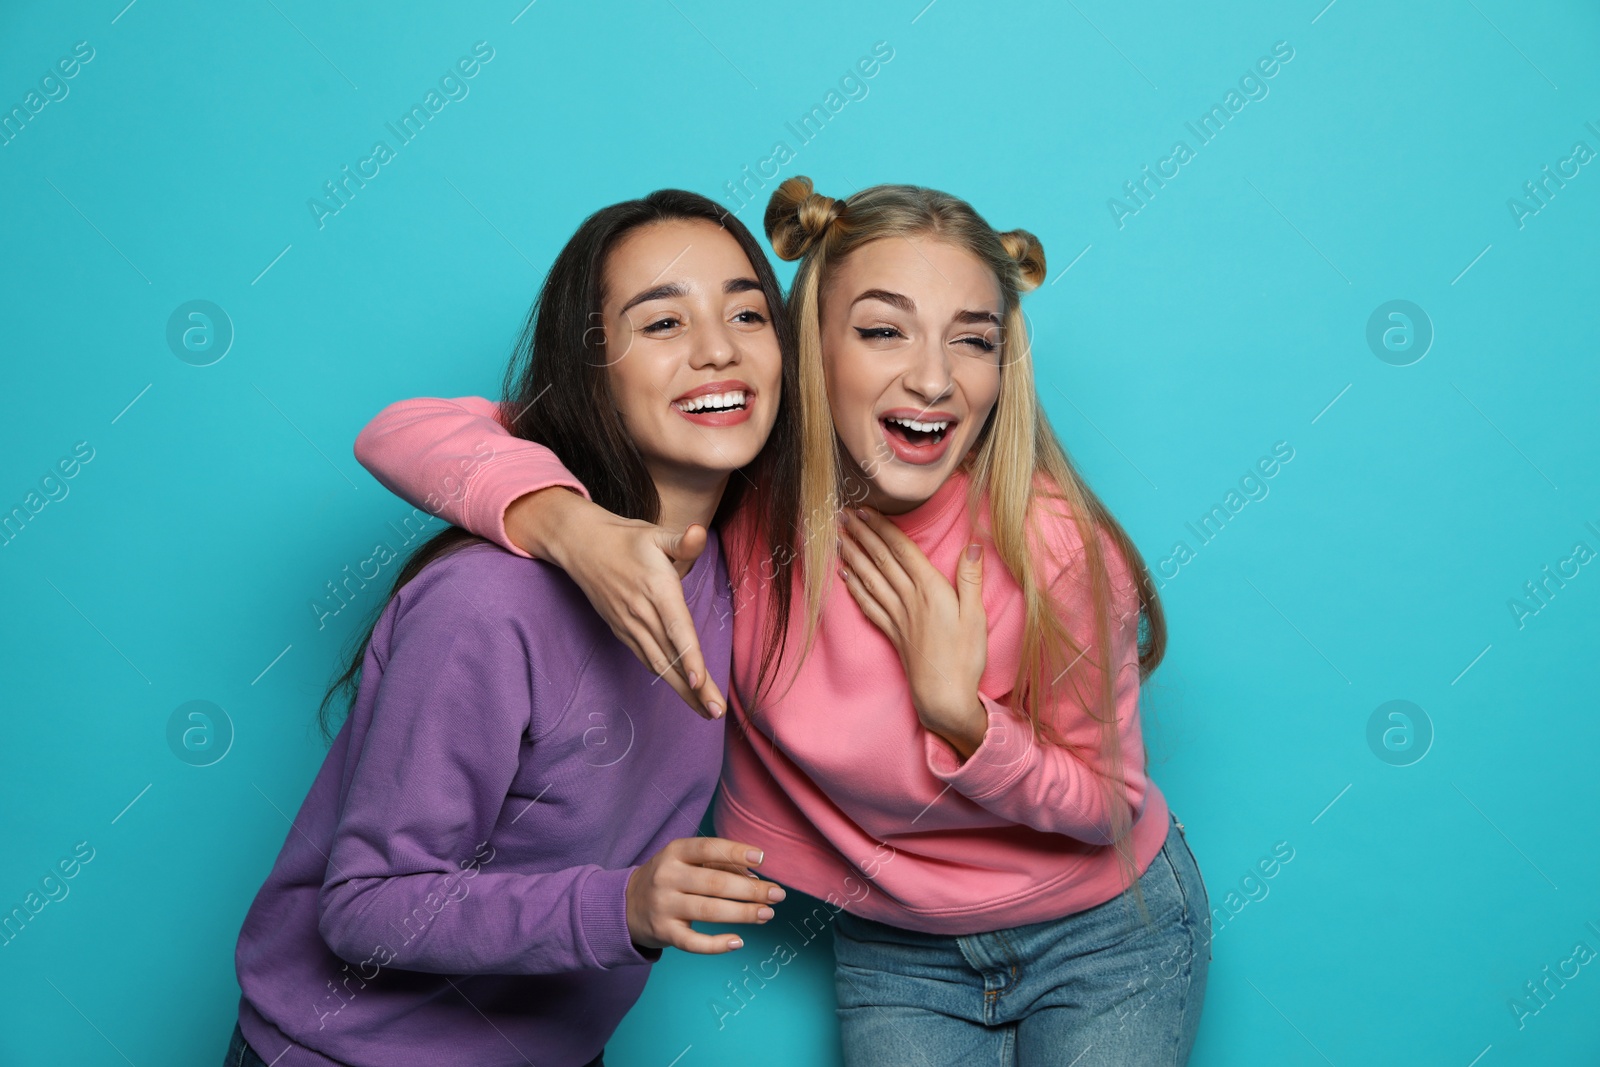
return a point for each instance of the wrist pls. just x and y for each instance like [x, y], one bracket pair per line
[963, 733]
[535, 521]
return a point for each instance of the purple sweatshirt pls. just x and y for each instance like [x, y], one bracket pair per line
[452, 889]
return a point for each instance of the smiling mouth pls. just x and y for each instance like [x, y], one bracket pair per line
[916, 432]
[712, 403]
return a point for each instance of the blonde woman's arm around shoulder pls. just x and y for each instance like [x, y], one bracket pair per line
[455, 458]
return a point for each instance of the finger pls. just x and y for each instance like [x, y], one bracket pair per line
[702, 850]
[648, 651]
[870, 606]
[684, 546]
[717, 910]
[668, 663]
[874, 545]
[708, 881]
[684, 640]
[679, 639]
[969, 581]
[685, 937]
[861, 569]
[904, 550]
[732, 868]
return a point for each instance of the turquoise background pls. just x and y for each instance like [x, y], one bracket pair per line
[1228, 314]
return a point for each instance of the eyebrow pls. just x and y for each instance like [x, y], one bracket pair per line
[978, 316]
[897, 300]
[905, 303]
[660, 292]
[671, 289]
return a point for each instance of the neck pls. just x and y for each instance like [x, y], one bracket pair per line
[688, 498]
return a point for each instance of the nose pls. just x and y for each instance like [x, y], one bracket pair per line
[928, 378]
[714, 346]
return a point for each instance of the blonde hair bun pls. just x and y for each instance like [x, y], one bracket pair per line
[798, 217]
[1025, 249]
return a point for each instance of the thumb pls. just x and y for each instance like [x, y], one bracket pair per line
[969, 580]
[685, 546]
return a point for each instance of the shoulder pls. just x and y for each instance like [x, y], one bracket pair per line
[481, 587]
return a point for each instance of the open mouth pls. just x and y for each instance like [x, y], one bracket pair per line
[714, 403]
[915, 432]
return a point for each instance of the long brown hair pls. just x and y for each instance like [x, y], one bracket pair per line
[560, 353]
[1016, 464]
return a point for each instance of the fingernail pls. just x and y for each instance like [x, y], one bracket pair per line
[694, 679]
[775, 894]
[753, 856]
[765, 913]
[716, 709]
[735, 942]
[974, 551]
[863, 513]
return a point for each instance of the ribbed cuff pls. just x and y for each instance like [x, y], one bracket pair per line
[603, 913]
[1000, 759]
[500, 482]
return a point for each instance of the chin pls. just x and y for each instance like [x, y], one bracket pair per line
[902, 489]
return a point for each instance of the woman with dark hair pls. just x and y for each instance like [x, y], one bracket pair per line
[503, 835]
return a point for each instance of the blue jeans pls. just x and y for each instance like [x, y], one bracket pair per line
[1093, 989]
[240, 1054]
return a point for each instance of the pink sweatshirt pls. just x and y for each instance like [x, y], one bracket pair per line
[853, 800]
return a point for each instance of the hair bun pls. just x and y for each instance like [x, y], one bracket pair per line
[1025, 249]
[797, 218]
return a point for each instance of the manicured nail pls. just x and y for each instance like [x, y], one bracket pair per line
[863, 513]
[765, 913]
[716, 709]
[694, 679]
[775, 894]
[753, 856]
[734, 942]
[974, 551]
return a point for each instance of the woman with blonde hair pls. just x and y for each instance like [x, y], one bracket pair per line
[945, 750]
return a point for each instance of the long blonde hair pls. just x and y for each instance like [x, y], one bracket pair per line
[1016, 464]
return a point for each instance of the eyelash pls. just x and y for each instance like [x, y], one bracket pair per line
[875, 333]
[751, 315]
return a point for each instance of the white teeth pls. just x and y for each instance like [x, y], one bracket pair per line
[712, 402]
[922, 427]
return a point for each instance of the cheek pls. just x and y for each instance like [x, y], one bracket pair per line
[769, 364]
[637, 391]
[852, 390]
[980, 383]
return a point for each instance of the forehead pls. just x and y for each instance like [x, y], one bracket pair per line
[935, 273]
[695, 252]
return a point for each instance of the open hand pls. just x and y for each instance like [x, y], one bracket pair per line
[941, 632]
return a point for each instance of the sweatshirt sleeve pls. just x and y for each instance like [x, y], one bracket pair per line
[1043, 785]
[411, 867]
[454, 458]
